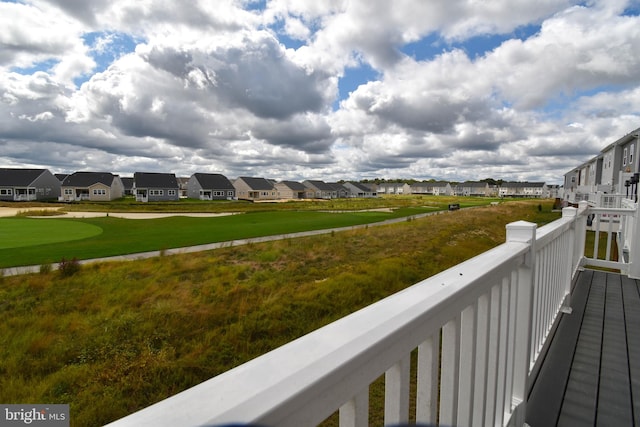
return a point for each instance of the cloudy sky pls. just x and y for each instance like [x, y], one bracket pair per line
[318, 89]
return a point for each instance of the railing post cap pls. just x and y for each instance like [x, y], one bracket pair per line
[521, 231]
[569, 211]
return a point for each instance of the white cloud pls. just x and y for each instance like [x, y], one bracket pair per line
[210, 87]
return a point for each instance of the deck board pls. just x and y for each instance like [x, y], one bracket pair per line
[631, 298]
[592, 369]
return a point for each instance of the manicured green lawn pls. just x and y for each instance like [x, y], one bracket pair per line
[21, 232]
[124, 236]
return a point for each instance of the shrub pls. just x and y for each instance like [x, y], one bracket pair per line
[70, 267]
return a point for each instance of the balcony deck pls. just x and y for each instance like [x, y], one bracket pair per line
[591, 373]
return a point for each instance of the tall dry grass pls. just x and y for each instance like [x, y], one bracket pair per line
[116, 337]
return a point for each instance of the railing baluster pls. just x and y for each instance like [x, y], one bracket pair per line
[492, 355]
[450, 371]
[355, 413]
[480, 376]
[512, 285]
[502, 351]
[396, 392]
[427, 388]
[468, 332]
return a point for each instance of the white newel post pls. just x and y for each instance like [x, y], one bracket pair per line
[634, 250]
[522, 232]
[571, 214]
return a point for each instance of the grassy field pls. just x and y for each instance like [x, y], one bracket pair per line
[23, 232]
[116, 337]
[40, 241]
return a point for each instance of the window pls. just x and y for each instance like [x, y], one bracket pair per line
[230, 193]
[218, 193]
[99, 192]
[624, 157]
[171, 192]
[156, 192]
[6, 191]
[631, 150]
[68, 191]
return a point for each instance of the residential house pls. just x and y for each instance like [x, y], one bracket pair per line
[155, 187]
[523, 189]
[210, 186]
[61, 176]
[357, 189]
[183, 186]
[470, 188]
[554, 191]
[292, 190]
[93, 186]
[393, 188]
[255, 189]
[128, 185]
[607, 172]
[432, 188]
[320, 189]
[339, 190]
[21, 185]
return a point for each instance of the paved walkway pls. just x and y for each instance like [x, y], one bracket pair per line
[14, 271]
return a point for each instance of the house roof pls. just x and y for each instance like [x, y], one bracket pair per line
[155, 180]
[127, 182]
[522, 184]
[336, 186]
[319, 185]
[213, 181]
[473, 184]
[17, 177]
[294, 185]
[86, 179]
[360, 187]
[257, 183]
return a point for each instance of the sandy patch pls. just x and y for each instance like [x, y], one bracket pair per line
[5, 212]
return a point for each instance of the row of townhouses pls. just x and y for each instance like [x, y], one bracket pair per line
[614, 171]
[41, 184]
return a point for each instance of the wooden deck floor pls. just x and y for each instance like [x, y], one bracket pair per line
[591, 373]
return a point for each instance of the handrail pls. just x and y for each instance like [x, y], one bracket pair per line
[479, 328]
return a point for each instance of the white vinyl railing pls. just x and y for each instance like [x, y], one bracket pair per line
[478, 327]
[613, 235]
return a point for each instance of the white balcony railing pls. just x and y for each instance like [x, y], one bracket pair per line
[479, 329]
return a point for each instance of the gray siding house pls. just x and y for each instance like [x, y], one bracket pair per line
[357, 189]
[210, 186]
[22, 185]
[155, 187]
[93, 186]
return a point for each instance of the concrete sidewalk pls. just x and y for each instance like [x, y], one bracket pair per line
[14, 271]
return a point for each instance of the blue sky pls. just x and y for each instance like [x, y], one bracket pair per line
[318, 90]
